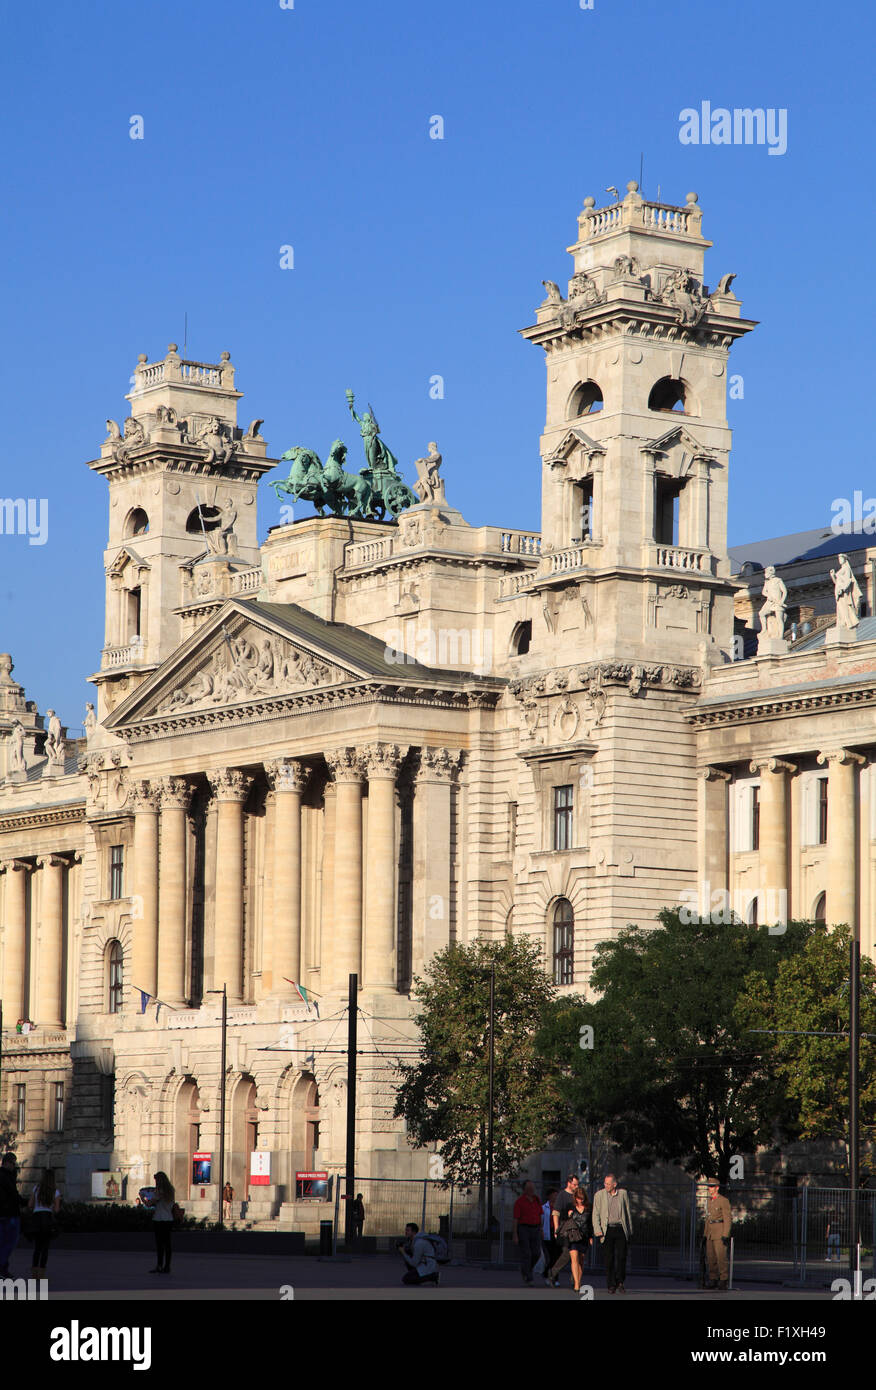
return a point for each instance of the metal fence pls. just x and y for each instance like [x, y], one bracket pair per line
[780, 1234]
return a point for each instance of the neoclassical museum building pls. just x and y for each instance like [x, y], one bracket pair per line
[343, 748]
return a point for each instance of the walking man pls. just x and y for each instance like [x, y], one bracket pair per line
[527, 1229]
[613, 1226]
[227, 1199]
[719, 1220]
[549, 1246]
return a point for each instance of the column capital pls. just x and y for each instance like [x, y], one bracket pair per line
[287, 774]
[440, 763]
[229, 784]
[16, 865]
[53, 861]
[145, 796]
[383, 759]
[346, 764]
[715, 774]
[771, 765]
[175, 793]
[842, 756]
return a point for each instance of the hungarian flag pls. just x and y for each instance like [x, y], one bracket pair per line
[302, 994]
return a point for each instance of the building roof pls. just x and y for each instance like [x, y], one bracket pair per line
[864, 632]
[801, 545]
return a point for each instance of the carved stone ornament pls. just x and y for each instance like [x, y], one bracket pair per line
[567, 718]
[287, 774]
[249, 664]
[145, 796]
[229, 784]
[383, 759]
[442, 763]
[346, 764]
[176, 792]
[682, 291]
[126, 442]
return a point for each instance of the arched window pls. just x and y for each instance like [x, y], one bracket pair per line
[521, 638]
[753, 908]
[136, 523]
[509, 923]
[115, 982]
[820, 913]
[564, 942]
[202, 519]
[586, 399]
[668, 394]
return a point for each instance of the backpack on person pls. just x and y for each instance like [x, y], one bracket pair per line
[439, 1249]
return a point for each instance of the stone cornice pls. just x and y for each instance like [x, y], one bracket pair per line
[30, 820]
[649, 319]
[751, 709]
[260, 711]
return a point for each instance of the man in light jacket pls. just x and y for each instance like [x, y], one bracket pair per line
[613, 1227]
[418, 1254]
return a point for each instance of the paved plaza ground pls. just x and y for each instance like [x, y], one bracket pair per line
[122, 1275]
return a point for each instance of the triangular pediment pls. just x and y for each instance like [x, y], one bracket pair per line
[124, 557]
[260, 651]
[573, 439]
[679, 436]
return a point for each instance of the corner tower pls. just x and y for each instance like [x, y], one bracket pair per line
[182, 480]
[636, 441]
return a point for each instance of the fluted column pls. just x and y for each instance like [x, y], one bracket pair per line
[382, 762]
[15, 1005]
[842, 835]
[176, 794]
[343, 942]
[433, 853]
[49, 1012]
[230, 789]
[713, 837]
[144, 963]
[773, 883]
[289, 779]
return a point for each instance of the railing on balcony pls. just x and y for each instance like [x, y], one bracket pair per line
[675, 557]
[246, 581]
[571, 558]
[123, 656]
[200, 374]
[366, 552]
[521, 542]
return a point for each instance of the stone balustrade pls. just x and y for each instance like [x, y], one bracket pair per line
[521, 542]
[246, 581]
[367, 552]
[676, 557]
[123, 656]
[572, 558]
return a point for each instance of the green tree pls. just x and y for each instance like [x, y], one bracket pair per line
[444, 1096]
[668, 1069]
[810, 995]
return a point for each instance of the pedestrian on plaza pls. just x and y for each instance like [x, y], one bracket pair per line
[11, 1203]
[527, 1229]
[716, 1231]
[564, 1202]
[577, 1230]
[358, 1216]
[613, 1226]
[418, 1254]
[550, 1248]
[45, 1203]
[227, 1199]
[162, 1222]
[832, 1233]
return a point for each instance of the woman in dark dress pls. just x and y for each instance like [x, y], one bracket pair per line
[579, 1233]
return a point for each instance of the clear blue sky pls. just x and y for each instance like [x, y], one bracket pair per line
[267, 126]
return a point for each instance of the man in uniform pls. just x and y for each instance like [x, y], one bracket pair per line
[716, 1233]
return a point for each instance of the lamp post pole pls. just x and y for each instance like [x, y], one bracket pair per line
[222, 1065]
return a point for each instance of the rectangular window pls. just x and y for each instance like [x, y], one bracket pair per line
[107, 1101]
[58, 1106]
[117, 857]
[822, 811]
[564, 951]
[755, 818]
[563, 817]
[20, 1107]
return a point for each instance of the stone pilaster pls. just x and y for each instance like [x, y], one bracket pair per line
[230, 789]
[382, 761]
[282, 955]
[773, 883]
[49, 996]
[714, 834]
[145, 798]
[15, 940]
[842, 835]
[176, 795]
[342, 942]
[433, 868]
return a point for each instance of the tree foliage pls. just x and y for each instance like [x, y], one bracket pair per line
[810, 995]
[672, 1073]
[444, 1096]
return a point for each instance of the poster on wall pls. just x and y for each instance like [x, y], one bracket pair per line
[312, 1187]
[202, 1169]
[106, 1186]
[260, 1168]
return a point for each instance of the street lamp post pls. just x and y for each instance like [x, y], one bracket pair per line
[224, 992]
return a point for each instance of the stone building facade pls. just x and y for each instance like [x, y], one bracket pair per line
[342, 749]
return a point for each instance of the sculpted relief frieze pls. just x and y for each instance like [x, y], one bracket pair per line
[247, 664]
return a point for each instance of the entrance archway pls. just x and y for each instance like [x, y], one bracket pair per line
[244, 1135]
[187, 1134]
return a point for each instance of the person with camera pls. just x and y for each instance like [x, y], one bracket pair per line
[419, 1256]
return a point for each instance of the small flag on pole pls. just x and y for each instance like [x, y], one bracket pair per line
[144, 1001]
[311, 1003]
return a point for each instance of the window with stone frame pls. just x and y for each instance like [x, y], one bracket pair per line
[116, 871]
[755, 818]
[563, 817]
[57, 1116]
[821, 812]
[115, 977]
[20, 1096]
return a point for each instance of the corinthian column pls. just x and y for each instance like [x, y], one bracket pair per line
[144, 962]
[176, 795]
[15, 938]
[345, 943]
[433, 853]
[49, 1012]
[842, 835]
[289, 778]
[773, 885]
[382, 761]
[230, 788]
